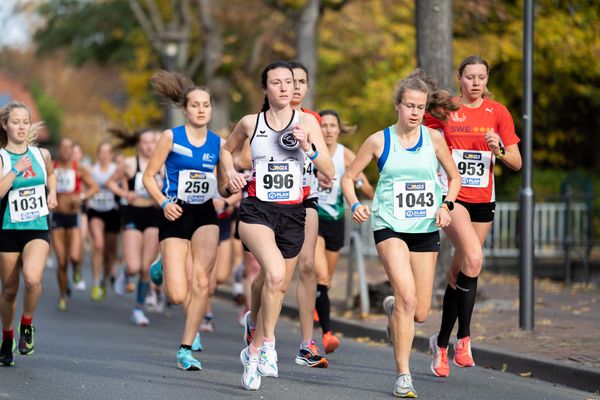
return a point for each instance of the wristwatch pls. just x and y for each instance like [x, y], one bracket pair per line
[449, 204]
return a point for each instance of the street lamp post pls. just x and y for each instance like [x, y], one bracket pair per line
[170, 45]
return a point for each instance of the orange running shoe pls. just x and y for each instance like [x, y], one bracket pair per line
[462, 353]
[330, 342]
[439, 364]
[316, 316]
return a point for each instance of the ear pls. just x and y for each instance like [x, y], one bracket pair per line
[397, 107]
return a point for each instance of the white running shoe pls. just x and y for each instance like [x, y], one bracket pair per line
[251, 377]
[138, 318]
[207, 325]
[151, 301]
[80, 285]
[120, 286]
[268, 360]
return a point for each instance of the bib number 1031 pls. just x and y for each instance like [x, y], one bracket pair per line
[27, 204]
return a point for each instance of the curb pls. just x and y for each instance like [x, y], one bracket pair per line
[577, 377]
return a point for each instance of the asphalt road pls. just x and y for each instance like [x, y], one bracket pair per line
[93, 352]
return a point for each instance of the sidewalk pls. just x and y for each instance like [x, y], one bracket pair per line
[564, 347]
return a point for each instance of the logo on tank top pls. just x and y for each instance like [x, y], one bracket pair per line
[454, 116]
[288, 141]
[29, 173]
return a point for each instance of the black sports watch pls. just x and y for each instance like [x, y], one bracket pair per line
[450, 204]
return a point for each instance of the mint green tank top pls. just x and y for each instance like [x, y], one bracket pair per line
[331, 201]
[408, 193]
[27, 199]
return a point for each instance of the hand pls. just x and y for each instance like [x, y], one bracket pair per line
[301, 136]
[493, 141]
[219, 205]
[172, 211]
[23, 164]
[442, 217]
[323, 181]
[131, 196]
[236, 182]
[361, 214]
[52, 202]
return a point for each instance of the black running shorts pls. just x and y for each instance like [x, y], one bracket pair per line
[285, 220]
[194, 216]
[416, 242]
[333, 233]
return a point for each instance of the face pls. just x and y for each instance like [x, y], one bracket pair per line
[300, 86]
[18, 124]
[105, 154]
[199, 109]
[147, 143]
[473, 81]
[77, 153]
[412, 108]
[330, 128]
[280, 87]
[65, 149]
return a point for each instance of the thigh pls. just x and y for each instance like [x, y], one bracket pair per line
[9, 270]
[97, 232]
[150, 246]
[174, 259]
[223, 262]
[481, 230]
[59, 243]
[395, 257]
[74, 242]
[332, 259]
[311, 230]
[260, 240]
[34, 258]
[110, 246]
[204, 248]
[133, 241]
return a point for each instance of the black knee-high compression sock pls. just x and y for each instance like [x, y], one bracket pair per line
[449, 314]
[323, 307]
[466, 291]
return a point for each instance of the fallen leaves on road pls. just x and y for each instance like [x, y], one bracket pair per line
[527, 374]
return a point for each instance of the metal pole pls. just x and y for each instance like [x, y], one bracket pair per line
[526, 198]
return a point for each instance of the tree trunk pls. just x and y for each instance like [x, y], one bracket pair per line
[434, 40]
[307, 28]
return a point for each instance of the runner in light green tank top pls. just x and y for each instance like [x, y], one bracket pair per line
[407, 211]
[27, 194]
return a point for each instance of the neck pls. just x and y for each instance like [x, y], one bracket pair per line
[16, 147]
[471, 103]
[297, 106]
[331, 148]
[196, 131]
[405, 131]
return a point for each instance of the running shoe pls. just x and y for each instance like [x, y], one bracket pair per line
[330, 342]
[138, 318]
[388, 307]
[309, 355]
[238, 285]
[186, 361]
[248, 332]
[268, 360]
[462, 353]
[207, 325]
[250, 378]
[62, 305]
[26, 339]
[120, 283]
[6, 352]
[404, 387]
[97, 293]
[197, 343]
[151, 301]
[241, 315]
[439, 364]
[315, 315]
[156, 272]
[79, 282]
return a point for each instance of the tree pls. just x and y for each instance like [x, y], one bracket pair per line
[434, 40]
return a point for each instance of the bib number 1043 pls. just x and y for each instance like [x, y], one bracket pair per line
[414, 200]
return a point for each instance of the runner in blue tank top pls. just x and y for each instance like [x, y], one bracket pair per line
[28, 192]
[188, 228]
[407, 212]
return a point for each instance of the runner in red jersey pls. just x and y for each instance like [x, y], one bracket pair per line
[478, 134]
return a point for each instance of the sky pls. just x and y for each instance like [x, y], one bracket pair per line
[16, 29]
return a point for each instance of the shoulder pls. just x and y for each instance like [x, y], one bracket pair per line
[249, 121]
[436, 137]
[310, 113]
[376, 140]
[496, 107]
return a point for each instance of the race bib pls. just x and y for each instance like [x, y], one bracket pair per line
[329, 195]
[414, 199]
[65, 180]
[308, 173]
[27, 204]
[103, 201]
[278, 180]
[196, 187]
[474, 167]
